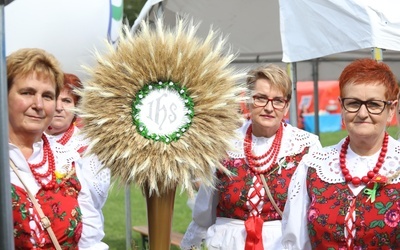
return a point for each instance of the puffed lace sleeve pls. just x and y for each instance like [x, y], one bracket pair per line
[294, 219]
[97, 178]
[93, 227]
[203, 217]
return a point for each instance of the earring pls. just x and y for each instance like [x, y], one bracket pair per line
[247, 116]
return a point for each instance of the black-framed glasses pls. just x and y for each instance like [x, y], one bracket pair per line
[374, 107]
[262, 101]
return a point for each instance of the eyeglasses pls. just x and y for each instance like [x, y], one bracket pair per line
[374, 107]
[262, 101]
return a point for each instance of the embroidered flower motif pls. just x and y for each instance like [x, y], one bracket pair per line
[59, 175]
[237, 162]
[373, 185]
[392, 217]
[55, 208]
[313, 214]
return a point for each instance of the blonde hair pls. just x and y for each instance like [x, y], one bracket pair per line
[24, 62]
[278, 78]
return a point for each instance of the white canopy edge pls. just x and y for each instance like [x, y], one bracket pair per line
[313, 29]
[246, 24]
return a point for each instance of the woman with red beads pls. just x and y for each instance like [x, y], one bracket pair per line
[347, 196]
[244, 211]
[63, 130]
[63, 127]
[51, 202]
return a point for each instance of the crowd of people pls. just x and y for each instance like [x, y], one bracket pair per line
[285, 190]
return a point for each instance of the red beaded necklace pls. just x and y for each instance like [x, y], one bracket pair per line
[67, 135]
[256, 162]
[47, 157]
[356, 181]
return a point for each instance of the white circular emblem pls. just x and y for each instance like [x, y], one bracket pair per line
[163, 111]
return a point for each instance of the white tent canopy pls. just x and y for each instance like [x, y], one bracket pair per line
[312, 29]
[251, 26]
[309, 29]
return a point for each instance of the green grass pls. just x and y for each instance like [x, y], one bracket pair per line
[114, 209]
[115, 222]
[334, 137]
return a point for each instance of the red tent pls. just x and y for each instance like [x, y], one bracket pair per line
[328, 93]
[329, 106]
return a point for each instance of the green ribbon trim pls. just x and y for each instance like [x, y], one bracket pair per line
[371, 192]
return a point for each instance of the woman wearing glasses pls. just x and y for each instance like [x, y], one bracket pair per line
[244, 210]
[347, 196]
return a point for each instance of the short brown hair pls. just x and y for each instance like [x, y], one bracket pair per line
[24, 62]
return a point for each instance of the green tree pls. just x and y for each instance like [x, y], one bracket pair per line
[132, 9]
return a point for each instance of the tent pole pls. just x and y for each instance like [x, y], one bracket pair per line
[377, 54]
[128, 217]
[316, 98]
[6, 222]
[291, 69]
[160, 10]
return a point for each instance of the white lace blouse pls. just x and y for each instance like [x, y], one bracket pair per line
[92, 230]
[97, 177]
[326, 164]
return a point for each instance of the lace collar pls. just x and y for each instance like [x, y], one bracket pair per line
[294, 141]
[326, 162]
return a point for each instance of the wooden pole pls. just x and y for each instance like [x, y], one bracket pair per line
[159, 216]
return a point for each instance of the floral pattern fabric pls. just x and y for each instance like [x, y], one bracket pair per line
[60, 205]
[377, 223]
[234, 190]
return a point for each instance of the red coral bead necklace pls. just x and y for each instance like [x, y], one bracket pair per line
[67, 135]
[47, 157]
[356, 181]
[255, 162]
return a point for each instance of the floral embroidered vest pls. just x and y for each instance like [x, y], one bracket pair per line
[234, 190]
[60, 205]
[377, 224]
